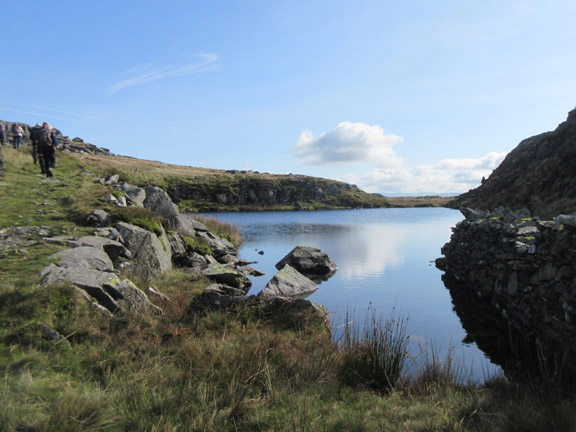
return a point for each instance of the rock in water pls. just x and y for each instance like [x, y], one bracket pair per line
[288, 282]
[311, 262]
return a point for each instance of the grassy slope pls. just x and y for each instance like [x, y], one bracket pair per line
[220, 372]
[144, 172]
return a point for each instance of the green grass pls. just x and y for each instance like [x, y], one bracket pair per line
[198, 246]
[32, 199]
[138, 216]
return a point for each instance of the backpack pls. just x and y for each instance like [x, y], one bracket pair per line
[43, 137]
[34, 133]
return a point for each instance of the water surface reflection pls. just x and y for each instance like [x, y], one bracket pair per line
[384, 259]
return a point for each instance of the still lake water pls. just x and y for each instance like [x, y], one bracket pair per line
[385, 260]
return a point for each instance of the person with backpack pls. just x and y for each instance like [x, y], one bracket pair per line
[55, 143]
[1, 163]
[34, 138]
[44, 138]
[2, 134]
[17, 132]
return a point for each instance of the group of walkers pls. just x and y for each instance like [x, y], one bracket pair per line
[44, 144]
[17, 133]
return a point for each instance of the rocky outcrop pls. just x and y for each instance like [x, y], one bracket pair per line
[243, 190]
[538, 174]
[93, 264]
[88, 266]
[280, 302]
[523, 266]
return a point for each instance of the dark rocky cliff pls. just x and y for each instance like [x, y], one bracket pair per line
[539, 174]
[519, 275]
[254, 191]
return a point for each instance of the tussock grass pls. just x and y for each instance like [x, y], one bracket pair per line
[374, 353]
[434, 371]
[221, 229]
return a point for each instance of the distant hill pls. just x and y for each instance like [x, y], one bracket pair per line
[198, 189]
[539, 174]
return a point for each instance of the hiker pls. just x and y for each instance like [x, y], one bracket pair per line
[44, 137]
[34, 138]
[18, 132]
[55, 143]
[1, 163]
[2, 134]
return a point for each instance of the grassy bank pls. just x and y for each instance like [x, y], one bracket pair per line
[221, 371]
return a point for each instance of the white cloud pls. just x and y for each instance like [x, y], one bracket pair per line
[151, 72]
[490, 161]
[381, 169]
[349, 143]
[447, 176]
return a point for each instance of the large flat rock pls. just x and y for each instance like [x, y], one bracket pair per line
[288, 282]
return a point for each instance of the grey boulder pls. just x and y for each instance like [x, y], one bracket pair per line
[150, 255]
[309, 261]
[229, 276]
[288, 282]
[98, 218]
[84, 257]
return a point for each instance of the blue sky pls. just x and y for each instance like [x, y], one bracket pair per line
[396, 97]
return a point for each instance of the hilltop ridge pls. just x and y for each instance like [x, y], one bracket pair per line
[538, 175]
[197, 189]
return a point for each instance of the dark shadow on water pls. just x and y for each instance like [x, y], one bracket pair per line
[528, 359]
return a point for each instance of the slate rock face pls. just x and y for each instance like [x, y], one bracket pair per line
[150, 255]
[221, 248]
[85, 257]
[246, 190]
[309, 261]
[79, 276]
[288, 282]
[158, 201]
[89, 280]
[187, 225]
[114, 249]
[522, 265]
